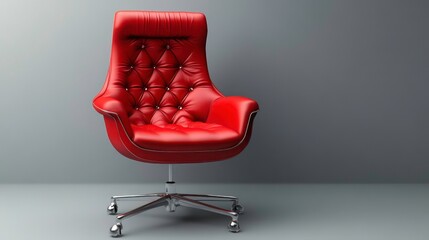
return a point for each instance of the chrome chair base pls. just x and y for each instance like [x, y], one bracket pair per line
[170, 200]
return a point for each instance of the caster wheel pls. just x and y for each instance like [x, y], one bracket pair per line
[112, 209]
[234, 227]
[237, 208]
[116, 230]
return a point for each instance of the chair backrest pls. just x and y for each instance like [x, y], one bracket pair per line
[158, 67]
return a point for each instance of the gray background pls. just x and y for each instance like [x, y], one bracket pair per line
[342, 87]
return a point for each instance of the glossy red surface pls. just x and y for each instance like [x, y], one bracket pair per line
[158, 101]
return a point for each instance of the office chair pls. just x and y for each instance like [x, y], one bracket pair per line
[160, 106]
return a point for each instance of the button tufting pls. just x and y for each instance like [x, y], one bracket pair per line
[170, 130]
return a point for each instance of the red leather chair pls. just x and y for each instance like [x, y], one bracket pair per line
[160, 106]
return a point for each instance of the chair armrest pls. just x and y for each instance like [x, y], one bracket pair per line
[111, 107]
[232, 112]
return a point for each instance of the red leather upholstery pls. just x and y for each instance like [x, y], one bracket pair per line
[158, 101]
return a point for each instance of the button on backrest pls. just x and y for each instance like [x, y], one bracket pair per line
[160, 67]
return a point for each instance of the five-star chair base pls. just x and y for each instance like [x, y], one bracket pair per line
[170, 200]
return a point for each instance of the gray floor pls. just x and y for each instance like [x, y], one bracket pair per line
[301, 211]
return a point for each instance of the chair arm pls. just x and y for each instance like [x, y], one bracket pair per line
[112, 107]
[233, 112]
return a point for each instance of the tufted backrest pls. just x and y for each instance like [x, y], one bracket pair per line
[158, 67]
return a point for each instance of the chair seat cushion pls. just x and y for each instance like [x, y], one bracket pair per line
[188, 136]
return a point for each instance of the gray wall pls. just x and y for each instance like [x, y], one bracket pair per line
[342, 87]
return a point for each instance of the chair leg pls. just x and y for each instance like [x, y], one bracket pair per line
[112, 209]
[137, 196]
[209, 197]
[116, 229]
[162, 201]
[187, 202]
[236, 207]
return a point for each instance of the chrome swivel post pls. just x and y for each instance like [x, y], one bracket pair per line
[170, 188]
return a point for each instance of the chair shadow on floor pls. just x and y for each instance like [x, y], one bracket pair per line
[256, 216]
